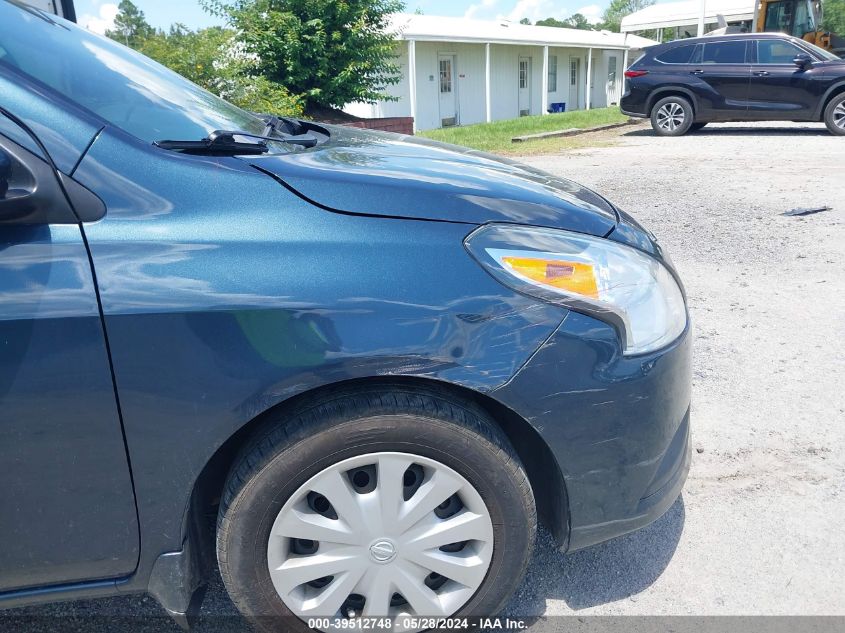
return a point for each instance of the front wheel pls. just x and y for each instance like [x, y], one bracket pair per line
[834, 115]
[376, 503]
[671, 116]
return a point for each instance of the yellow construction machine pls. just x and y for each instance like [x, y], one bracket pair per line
[800, 18]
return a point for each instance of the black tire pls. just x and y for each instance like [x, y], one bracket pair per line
[695, 127]
[680, 121]
[294, 447]
[834, 115]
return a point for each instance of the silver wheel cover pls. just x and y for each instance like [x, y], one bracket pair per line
[670, 116]
[381, 555]
[839, 116]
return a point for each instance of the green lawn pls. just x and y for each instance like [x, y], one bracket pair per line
[496, 137]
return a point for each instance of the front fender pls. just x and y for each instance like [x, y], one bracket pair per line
[224, 295]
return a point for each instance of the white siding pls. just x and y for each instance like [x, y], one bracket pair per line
[469, 82]
[505, 79]
[613, 85]
[563, 77]
[402, 90]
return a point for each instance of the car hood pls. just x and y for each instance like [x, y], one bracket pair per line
[371, 173]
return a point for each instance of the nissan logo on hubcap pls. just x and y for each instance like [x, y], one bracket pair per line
[383, 551]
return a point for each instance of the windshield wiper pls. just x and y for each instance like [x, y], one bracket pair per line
[219, 142]
[225, 143]
[291, 130]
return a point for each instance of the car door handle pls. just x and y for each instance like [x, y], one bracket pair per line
[696, 72]
[762, 73]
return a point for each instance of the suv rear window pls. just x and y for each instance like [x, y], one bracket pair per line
[677, 55]
[724, 53]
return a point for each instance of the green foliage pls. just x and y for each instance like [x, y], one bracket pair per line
[328, 51]
[834, 16]
[574, 21]
[551, 22]
[192, 54]
[208, 57]
[130, 25]
[618, 9]
[525, 21]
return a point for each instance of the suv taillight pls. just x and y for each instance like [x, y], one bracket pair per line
[630, 74]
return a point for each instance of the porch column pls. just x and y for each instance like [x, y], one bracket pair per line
[412, 78]
[701, 15]
[620, 77]
[545, 81]
[588, 96]
[488, 107]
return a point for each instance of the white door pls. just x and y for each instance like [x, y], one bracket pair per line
[448, 93]
[612, 89]
[524, 86]
[574, 84]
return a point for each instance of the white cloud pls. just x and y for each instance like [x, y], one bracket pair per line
[482, 7]
[592, 12]
[534, 10]
[103, 21]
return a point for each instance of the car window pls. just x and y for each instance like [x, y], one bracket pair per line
[11, 131]
[677, 55]
[820, 52]
[724, 53]
[777, 52]
[120, 85]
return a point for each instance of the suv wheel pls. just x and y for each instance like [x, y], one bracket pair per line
[834, 115]
[375, 503]
[671, 116]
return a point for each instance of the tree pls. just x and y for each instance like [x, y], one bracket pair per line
[330, 53]
[208, 57]
[578, 21]
[130, 25]
[618, 9]
[551, 22]
[574, 21]
[834, 16]
[525, 21]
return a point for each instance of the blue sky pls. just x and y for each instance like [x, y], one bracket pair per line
[98, 14]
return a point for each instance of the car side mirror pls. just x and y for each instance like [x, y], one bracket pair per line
[32, 192]
[17, 187]
[802, 61]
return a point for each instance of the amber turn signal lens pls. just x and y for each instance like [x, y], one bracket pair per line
[574, 277]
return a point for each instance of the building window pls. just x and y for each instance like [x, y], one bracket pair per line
[445, 75]
[523, 73]
[611, 70]
[552, 73]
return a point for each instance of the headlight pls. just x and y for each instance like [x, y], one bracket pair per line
[616, 283]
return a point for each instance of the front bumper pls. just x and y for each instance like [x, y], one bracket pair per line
[638, 115]
[617, 426]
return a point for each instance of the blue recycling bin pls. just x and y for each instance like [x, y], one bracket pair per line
[559, 106]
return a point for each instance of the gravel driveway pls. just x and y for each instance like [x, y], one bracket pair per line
[760, 528]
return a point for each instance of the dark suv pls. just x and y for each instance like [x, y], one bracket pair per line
[686, 84]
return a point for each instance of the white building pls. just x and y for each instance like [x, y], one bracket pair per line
[457, 71]
[675, 20]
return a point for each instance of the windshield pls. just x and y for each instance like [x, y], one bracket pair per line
[116, 83]
[819, 51]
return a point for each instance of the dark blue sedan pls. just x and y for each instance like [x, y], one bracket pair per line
[376, 360]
